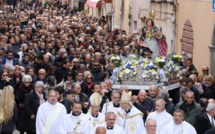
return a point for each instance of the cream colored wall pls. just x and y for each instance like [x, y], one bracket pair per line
[116, 6]
[125, 24]
[117, 14]
[138, 5]
[202, 19]
[167, 25]
[146, 5]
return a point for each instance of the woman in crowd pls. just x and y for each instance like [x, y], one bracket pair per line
[209, 87]
[32, 102]
[17, 76]
[8, 110]
[31, 71]
[88, 84]
[5, 80]
[23, 90]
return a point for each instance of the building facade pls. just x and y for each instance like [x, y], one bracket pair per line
[188, 25]
[195, 37]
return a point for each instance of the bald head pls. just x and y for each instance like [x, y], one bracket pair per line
[160, 105]
[142, 95]
[100, 130]
[205, 70]
[88, 58]
[42, 71]
[153, 91]
[123, 88]
[142, 91]
[211, 101]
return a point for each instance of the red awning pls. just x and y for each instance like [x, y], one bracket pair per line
[94, 3]
[108, 1]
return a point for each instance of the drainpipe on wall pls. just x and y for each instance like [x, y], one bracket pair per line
[174, 27]
[212, 57]
[121, 12]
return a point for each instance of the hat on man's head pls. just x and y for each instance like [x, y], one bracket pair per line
[126, 97]
[95, 99]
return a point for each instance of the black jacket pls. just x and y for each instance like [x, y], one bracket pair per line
[4, 83]
[201, 113]
[45, 66]
[31, 105]
[86, 90]
[209, 91]
[60, 73]
[196, 93]
[97, 75]
[90, 65]
[202, 124]
[68, 104]
[83, 98]
[21, 94]
[104, 100]
[211, 131]
[170, 107]
[9, 126]
[146, 105]
[35, 79]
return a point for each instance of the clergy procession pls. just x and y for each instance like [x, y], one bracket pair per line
[59, 68]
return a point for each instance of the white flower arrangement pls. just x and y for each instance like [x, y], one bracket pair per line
[116, 60]
[146, 70]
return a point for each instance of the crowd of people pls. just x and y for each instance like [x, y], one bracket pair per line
[55, 77]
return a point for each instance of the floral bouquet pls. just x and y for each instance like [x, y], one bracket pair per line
[129, 68]
[116, 60]
[175, 58]
[160, 61]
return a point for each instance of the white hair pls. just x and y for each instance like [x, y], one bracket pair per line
[108, 81]
[39, 83]
[22, 68]
[211, 106]
[26, 77]
[192, 76]
[24, 45]
[150, 119]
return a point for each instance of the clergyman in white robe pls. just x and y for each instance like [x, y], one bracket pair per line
[162, 118]
[183, 128]
[49, 117]
[109, 106]
[115, 130]
[95, 120]
[131, 122]
[73, 124]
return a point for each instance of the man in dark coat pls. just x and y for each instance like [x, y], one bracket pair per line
[61, 71]
[190, 108]
[80, 97]
[194, 89]
[206, 121]
[169, 106]
[87, 62]
[96, 71]
[67, 103]
[143, 103]
[40, 64]
[203, 103]
[211, 131]
[40, 77]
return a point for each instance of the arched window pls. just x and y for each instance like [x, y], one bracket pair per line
[187, 40]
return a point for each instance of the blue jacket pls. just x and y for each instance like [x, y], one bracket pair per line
[5, 58]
